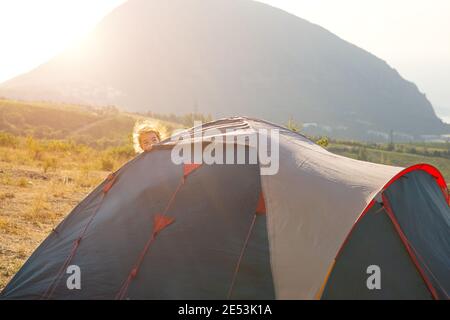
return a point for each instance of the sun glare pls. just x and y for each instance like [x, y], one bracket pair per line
[32, 32]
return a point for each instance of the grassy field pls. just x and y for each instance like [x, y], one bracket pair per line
[52, 156]
[400, 155]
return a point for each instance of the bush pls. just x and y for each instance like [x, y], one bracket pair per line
[8, 140]
[60, 146]
[34, 148]
[123, 152]
[49, 163]
[107, 164]
[323, 142]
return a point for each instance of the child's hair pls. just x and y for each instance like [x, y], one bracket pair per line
[144, 126]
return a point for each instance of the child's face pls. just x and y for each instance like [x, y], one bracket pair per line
[147, 140]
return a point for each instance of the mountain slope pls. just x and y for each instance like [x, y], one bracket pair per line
[231, 57]
[94, 126]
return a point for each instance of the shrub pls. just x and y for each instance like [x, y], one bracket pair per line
[49, 163]
[34, 148]
[8, 140]
[107, 164]
[323, 142]
[122, 152]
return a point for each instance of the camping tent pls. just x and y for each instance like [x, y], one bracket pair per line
[323, 227]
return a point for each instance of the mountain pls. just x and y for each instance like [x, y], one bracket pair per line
[232, 57]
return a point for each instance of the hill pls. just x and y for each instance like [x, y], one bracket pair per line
[97, 127]
[233, 57]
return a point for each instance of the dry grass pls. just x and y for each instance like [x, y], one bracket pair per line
[8, 225]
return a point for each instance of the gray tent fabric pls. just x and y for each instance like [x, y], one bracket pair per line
[254, 280]
[374, 241]
[424, 217]
[196, 256]
[160, 230]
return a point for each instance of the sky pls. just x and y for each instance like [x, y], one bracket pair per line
[413, 36]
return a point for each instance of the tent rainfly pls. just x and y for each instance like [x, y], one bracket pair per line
[323, 227]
